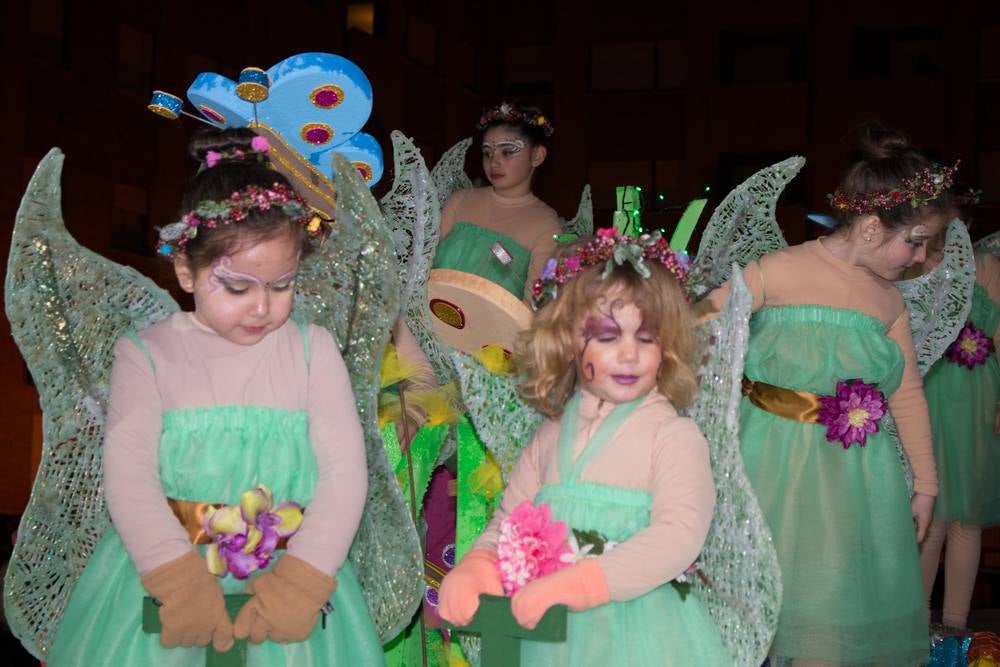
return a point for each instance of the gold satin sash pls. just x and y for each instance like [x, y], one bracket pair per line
[800, 406]
[191, 514]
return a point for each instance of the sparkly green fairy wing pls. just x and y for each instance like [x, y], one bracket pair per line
[66, 306]
[738, 557]
[449, 173]
[582, 224]
[939, 301]
[412, 210]
[503, 421]
[990, 244]
[743, 227]
[351, 287]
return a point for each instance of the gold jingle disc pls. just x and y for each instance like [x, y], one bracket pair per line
[470, 312]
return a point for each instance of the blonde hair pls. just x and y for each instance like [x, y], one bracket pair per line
[545, 352]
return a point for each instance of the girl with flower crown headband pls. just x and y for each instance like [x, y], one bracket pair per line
[608, 359]
[234, 457]
[830, 353]
[502, 232]
[963, 389]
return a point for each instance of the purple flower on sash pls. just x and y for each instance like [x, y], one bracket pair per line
[971, 348]
[852, 413]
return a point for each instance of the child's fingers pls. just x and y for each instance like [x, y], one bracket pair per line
[222, 638]
[246, 619]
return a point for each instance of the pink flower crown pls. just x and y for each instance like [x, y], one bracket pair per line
[922, 188]
[506, 112]
[612, 249]
[211, 214]
[259, 149]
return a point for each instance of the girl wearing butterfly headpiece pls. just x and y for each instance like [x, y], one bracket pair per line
[233, 455]
[963, 389]
[503, 232]
[608, 359]
[830, 353]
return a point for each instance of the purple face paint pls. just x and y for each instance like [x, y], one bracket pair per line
[224, 276]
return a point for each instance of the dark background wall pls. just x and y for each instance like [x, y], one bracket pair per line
[675, 96]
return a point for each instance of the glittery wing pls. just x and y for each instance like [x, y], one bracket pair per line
[939, 301]
[738, 557]
[66, 306]
[990, 244]
[449, 173]
[503, 421]
[582, 224]
[743, 227]
[412, 209]
[351, 287]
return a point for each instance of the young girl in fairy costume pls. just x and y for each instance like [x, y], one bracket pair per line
[963, 389]
[608, 360]
[502, 232]
[233, 427]
[830, 352]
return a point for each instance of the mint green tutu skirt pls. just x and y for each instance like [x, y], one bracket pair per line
[963, 404]
[840, 519]
[213, 454]
[656, 629]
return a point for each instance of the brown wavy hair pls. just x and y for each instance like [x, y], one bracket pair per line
[545, 352]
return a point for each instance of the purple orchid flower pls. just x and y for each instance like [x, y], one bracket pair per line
[852, 414]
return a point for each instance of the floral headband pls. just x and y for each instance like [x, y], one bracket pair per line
[922, 188]
[612, 249]
[505, 112]
[259, 148]
[211, 214]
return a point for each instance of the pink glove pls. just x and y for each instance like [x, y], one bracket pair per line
[475, 574]
[579, 587]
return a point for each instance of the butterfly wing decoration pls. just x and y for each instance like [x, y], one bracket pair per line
[582, 224]
[351, 286]
[449, 174]
[67, 306]
[743, 592]
[743, 227]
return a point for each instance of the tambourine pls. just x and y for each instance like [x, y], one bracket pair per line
[470, 312]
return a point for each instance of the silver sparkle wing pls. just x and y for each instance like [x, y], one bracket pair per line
[990, 244]
[939, 301]
[743, 227]
[67, 306]
[351, 286]
[738, 558]
[582, 224]
[449, 174]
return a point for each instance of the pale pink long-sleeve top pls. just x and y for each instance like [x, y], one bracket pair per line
[988, 277]
[810, 274]
[654, 450]
[195, 367]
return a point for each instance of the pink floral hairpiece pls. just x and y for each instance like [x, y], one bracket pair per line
[922, 188]
[211, 214]
[612, 249]
[259, 148]
[506, 112]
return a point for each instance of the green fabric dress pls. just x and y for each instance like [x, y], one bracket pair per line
[468, 248]
[656, 629]
[840, 518]
[962, 404]
[213, 454]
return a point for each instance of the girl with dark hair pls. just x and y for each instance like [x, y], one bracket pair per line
[830, 353]
[234, 458]
[503, 232]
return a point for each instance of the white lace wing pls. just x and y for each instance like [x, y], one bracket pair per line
[582, 224]
[66, 306]
[351, 286]
[503, 421]
[939, 301]
[743, 227]
[449, 173]
[990, 244]
[738, 557]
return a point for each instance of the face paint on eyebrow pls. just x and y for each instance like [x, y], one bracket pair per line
[283, 278]
[516, 145]
[221, 273]
[595, 327]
